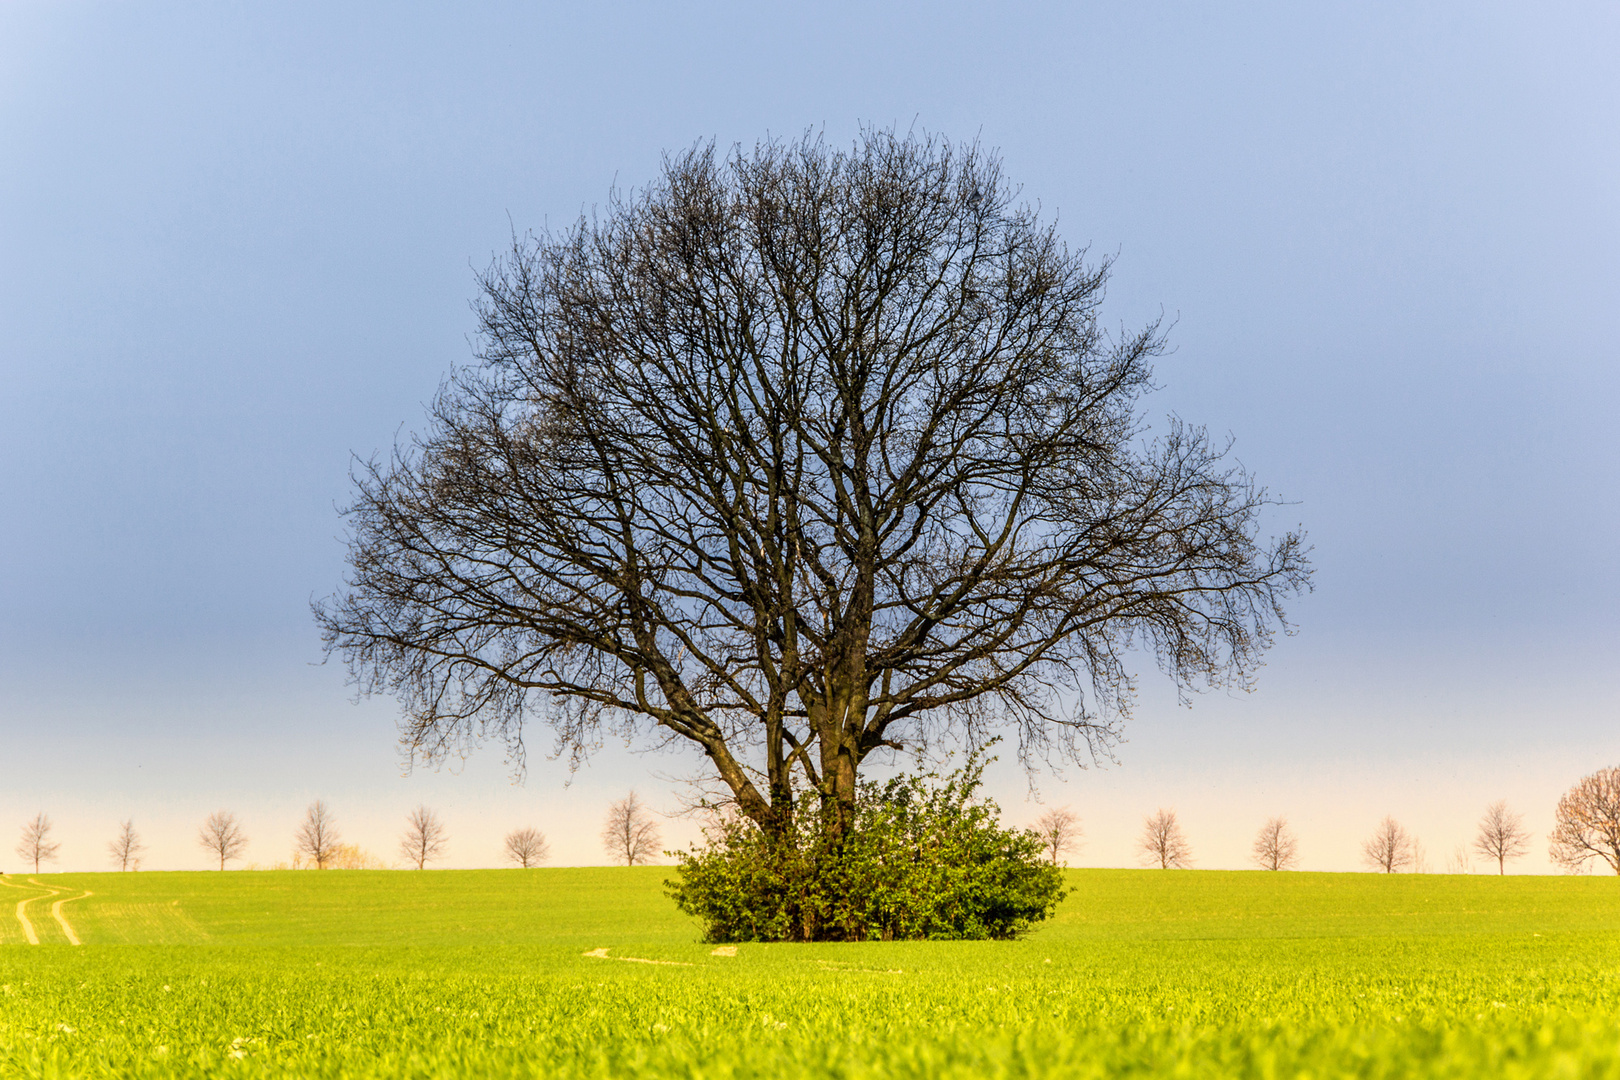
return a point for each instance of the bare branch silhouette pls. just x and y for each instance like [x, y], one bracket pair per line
[1390, 848]
[1588, 822]
[425, 837]
[1276, 848]
[317, 838]
[1060, 831]
[36, 845]
[222, 836]
[126, 847]
[797, 456]
[1502, 835]
[630, 835]
[527, 847]
[1163, 844]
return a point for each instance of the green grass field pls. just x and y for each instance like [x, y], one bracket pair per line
[491, 972]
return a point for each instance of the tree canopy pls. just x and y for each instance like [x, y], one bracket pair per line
[796, 454]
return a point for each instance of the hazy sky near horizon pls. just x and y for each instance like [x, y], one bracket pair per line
[237, 245]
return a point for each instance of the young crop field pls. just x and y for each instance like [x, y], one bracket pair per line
[592, 972]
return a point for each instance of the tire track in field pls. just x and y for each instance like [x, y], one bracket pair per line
[22, 914]
[56, 913]
[29, 931]
[602, 954]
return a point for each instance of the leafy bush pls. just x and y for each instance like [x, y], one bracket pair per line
[925, 859]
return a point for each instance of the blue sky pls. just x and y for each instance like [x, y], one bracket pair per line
[237, 244]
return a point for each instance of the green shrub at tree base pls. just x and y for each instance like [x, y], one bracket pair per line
[926, 858]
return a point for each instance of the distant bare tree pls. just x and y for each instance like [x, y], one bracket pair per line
[1588, 822]
[424, 837]
[36, 846]
[317, 837]
[1060, 831]
[1389, 848]
[222, 837]
[527, 847]
[1276, 848]
[1163, 844]
[630, 835]
[1459, 862]
[126, 847]
[1502, 835]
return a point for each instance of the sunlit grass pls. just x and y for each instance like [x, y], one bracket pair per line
[485, 973]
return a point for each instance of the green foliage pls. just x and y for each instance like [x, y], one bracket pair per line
[926, 859]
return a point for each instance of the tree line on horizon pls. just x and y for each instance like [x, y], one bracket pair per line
[629, 835]
[1587, 826]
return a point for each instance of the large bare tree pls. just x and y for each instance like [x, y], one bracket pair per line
[317, 838]
[630, 834]
[126, 847]
[1502, 835]
[1390, 848]
[36, 845]
[1060, 831]
[425, 837]
[1163, 844]
[222, 837]
[1587, 822]
[794, 456]
[1275, 846]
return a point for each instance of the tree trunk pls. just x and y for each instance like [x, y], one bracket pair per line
[844, 717]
